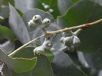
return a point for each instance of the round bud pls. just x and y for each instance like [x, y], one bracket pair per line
[66, 40]
[46, 6]
[76, 41]
[51, 10]
[47, 44]
[30, 23]
[46, 22]
[37, 19]
[38, 50]
[43, 4]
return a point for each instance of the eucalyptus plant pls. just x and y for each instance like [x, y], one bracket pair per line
[50, 38]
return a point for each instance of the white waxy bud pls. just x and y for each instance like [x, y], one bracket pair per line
[43, 4]
[30, 23]
[46, 6]
[66, 40]
[38, 50]
[51, 10]
[46, 46]
[37, 19]
[76, 41]
[46, 22]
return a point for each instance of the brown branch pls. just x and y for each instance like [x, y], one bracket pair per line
[76, 27]
[80, 27]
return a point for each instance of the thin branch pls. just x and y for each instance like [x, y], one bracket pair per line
[76, 27]
[15, 51]
[79, 27]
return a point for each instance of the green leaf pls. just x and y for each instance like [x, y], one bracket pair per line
[64, 5]
[52, 4]
[22, 74]
[6, 33]
[7, 46]
[70, 71]
[83, 12]
[74, 1]
[26, 52]
[18, 26]
[63, 65]
[94, 60]
[49, 55]
[24, 64]
[19, 65]
[43, 67]
[61, 59]
[4, 12]
[6, 59]
[79, 13]
[97, 2]
[42, 64]
[6, 2]
[23, 6]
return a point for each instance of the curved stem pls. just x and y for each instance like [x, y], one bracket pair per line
[76, 27]
[77, 32]
[15, 51]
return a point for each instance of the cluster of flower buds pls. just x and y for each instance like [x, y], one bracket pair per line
[47, 7]
[42, 49]
[37, 21]
[72, 42]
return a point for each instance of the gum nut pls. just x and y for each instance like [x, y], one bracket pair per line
[76, 40]
[38, 49]
[46, 6]
[68, 39]
[43, 4]
[30, 23]
[51, 10]
[47, 43]
[36, 17]
[46, 21]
